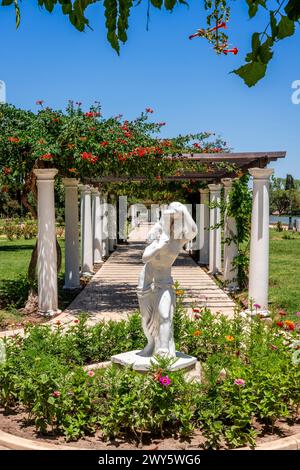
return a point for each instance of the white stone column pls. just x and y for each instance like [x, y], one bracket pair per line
[72, 280]
[204, 227]
[259, 244]
[112, 219]
[47, 255]
[133, 217]
[230, 246]
[215, 263]
[96, 226]
[86, 231]
[104, 226]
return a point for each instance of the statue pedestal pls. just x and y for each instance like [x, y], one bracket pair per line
[143, 364]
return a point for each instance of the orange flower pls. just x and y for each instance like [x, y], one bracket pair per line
[70, 146]
[14, 140]
[72, 170]
[229, 338]
[83, 139]
[197, 333]
[41, 141]
[179, 292]
[157, 375]
[290, 325]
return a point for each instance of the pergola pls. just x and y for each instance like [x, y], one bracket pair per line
[98, 222]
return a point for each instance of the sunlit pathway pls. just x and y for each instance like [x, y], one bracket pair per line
[111, 294]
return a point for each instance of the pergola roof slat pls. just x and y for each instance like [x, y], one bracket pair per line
[240, 160]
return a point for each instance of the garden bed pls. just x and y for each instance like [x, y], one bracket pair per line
[13, 423]
[249, 388]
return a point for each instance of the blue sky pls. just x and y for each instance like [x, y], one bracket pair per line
[186, 84]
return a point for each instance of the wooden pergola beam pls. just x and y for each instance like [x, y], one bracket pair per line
[241, 160]
[229, 157]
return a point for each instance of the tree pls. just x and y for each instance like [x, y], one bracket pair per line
[85, 144]
[281, 23]
[285, 197]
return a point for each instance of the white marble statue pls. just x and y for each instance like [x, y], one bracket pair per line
[155, 288]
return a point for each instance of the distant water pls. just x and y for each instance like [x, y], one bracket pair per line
[281, 218]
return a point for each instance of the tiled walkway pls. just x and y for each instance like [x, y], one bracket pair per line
[111, 294]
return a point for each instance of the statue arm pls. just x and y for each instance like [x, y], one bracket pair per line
[154, 249]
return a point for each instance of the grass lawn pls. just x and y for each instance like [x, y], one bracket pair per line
[285, 271]
[14, 259]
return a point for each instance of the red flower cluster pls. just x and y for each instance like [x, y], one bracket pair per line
[149, 110]
[197, 146]
[220, 25]
[6, 170]
[14, 140]
[288, 324]
[46, 156]
[127, 134]
[89, 157]
[125, 130]
[121, 141]
[91, 114]
[104, 143]
[140, 152]
[39, 102]
[161, 124]
[202, 32]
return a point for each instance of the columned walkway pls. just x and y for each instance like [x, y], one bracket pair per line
[111, 294]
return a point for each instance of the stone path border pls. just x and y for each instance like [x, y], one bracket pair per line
[11, 442]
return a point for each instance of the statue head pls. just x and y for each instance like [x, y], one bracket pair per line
[178, 223]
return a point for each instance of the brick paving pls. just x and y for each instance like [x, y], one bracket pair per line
[111, 293]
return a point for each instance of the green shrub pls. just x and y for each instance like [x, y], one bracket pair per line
[14, 292]
[248, 377]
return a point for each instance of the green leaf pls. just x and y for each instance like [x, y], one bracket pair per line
[286, 27]
[67, 9]
[51, 400]
[157, 3]
[169, 4]
[253, 6]
[5, 3]
[251, 73]
[273, 24]
[292, 10]
[18, 16]
[44, 378]
[265, 53]
[255, 42]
